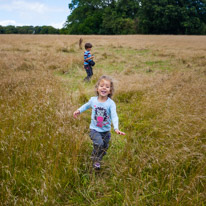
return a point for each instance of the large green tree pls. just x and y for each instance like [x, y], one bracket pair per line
[137, 16]
[172, 16]
[102, 16]
[120, 17]
[86, 17]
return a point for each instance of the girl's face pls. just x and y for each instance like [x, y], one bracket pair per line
[104, 88]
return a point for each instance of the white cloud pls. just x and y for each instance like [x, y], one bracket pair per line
[14, 23]
[9, 22]
[23, 6]
[19, 5]
[58, 25]
[32, 12]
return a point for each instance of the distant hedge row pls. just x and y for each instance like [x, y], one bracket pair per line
[30, 30]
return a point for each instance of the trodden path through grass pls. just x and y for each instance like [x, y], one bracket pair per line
[160, 95]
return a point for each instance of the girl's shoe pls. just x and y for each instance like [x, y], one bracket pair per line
[97, 165]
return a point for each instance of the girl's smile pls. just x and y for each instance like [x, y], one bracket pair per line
[104, 88]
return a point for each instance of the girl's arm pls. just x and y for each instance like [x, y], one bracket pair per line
[76, 113]
[82, 108]
[119, 132]
[115, 119]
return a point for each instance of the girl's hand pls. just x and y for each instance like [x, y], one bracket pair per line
[76, 113]
[119, 132]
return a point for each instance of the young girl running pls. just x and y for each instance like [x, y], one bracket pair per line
[103, 113]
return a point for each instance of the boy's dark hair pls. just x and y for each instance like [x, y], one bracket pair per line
[111, 85]
[88, 45]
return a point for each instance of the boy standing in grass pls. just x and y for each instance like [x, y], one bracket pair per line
[87, 58]
[103, 113]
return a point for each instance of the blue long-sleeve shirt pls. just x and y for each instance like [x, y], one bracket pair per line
[87, 54]
[103, 113]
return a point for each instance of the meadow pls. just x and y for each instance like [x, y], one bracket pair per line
[160, 93]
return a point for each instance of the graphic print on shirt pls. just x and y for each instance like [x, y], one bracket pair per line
[101, 116]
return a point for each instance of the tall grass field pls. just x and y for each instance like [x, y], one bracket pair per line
[160, 93]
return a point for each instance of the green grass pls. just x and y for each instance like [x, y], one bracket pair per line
[152, 63]
[45, 153]
[159, 64]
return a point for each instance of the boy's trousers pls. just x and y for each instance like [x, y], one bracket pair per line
[100, 143]
[89, 72]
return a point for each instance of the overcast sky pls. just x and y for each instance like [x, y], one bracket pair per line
[34, 12]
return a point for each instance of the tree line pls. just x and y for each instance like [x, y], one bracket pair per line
[126, 17]
[31, 30]
[137, 17]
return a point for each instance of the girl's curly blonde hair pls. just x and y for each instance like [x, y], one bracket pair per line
[111, 85]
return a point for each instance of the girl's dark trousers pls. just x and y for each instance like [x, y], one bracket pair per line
[100, 144]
